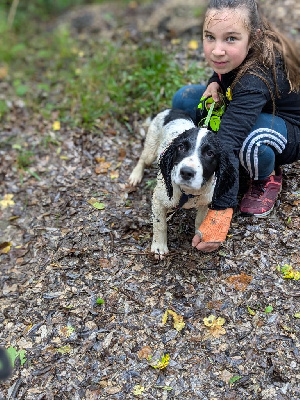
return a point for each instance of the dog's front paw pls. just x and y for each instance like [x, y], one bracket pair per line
[160, 250]
[136, 175]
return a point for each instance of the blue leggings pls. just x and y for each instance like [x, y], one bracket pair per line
[265, 141]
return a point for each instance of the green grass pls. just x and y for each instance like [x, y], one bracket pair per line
[88, 80]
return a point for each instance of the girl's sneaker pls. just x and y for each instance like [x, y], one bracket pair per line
[261, 196]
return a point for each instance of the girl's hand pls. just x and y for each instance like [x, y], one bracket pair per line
[207, 247]
[213, 230]
[213, 90]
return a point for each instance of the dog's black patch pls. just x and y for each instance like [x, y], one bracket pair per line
[176, 114]
[209, 155]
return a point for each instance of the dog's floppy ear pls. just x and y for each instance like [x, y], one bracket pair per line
[226, 175]
[166, 164]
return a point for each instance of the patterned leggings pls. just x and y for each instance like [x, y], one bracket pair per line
[265, 141]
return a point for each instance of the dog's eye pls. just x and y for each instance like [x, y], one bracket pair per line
[210, 153]
[181, 147]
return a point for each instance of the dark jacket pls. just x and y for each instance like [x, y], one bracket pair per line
[250, 97]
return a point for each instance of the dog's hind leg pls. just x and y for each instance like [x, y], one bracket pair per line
[149, 154]
[159, 242]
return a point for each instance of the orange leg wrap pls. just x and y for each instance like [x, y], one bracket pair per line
[215, 226]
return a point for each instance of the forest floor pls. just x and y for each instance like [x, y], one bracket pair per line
[82, 298]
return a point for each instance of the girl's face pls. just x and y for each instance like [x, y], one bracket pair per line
[226, 39]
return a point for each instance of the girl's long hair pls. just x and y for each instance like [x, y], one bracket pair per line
[265, 46]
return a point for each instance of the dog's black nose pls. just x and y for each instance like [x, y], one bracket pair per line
[187, 173]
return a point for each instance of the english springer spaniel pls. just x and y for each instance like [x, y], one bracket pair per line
[192, 167]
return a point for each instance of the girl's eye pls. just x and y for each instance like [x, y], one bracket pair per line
[209, 37]
[231, 39]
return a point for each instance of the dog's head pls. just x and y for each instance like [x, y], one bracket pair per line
[191, 160]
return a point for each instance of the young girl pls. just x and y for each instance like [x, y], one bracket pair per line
[257, 70]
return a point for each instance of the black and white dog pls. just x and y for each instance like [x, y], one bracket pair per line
[192, 167]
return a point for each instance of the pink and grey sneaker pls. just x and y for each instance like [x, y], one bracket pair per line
[261, 196]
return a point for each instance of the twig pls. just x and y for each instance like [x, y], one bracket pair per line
[16, 388]
[12, 13]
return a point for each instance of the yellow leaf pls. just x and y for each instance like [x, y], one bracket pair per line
[178, 320]
[297, 315]
[5, 247]
[65, 349]
[137, 390]
[56, 126]
[215, 325]
[289, 272]
[164, 317]
[193, 45]
[7, 201]
[209, 321]
[161, 364]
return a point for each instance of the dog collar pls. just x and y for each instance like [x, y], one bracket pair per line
[184, 199]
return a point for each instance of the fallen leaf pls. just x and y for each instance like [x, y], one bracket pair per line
[268, 309]
[234, 379]
[289, 272]
[161, 364]
[95, 203]
[114, 175]
[214, 305]
[5, 247]
[7, 201]
[178, 320]
[122, 153]
[164, 317]
[144, 352]
[102, 167]
[56, 126]
[297, 315]
[215, 326]
[104, 263]
[99, 159]
[114, 390]
[67, 331]
[240, 282]
[65, 349]
[137, 390]
[251, 312]
[176, 41]
[193, 45]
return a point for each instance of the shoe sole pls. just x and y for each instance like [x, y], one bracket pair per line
[245, 214]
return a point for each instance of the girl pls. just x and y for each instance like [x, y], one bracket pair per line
[257, 70]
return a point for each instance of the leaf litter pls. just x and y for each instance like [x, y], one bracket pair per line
[65, 254]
